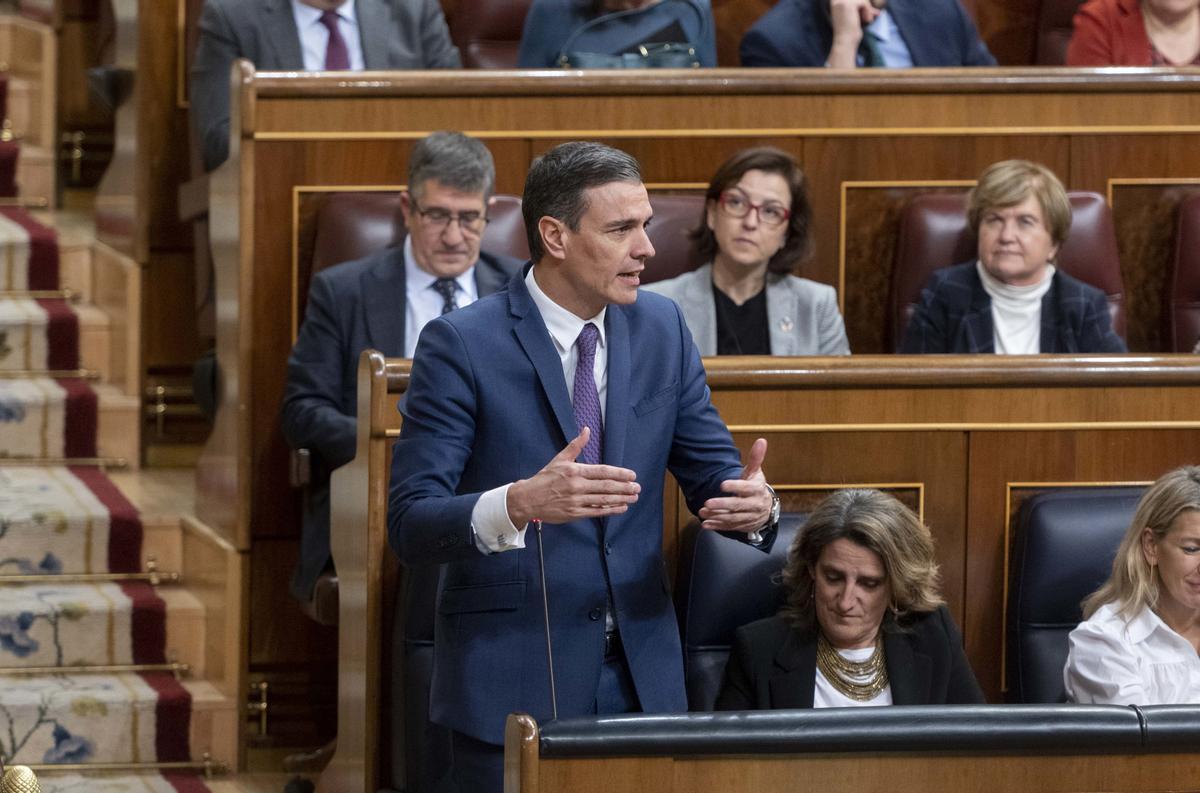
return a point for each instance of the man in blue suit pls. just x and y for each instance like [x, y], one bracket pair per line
[383, 301]
[563, 399]
[844, 34]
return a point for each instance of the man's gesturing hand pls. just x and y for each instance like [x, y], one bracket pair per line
[565, 490]
[748, 507]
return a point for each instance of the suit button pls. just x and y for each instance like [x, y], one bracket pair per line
[594, 615]
[607, 548]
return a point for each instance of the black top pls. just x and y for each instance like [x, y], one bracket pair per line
[742, 330]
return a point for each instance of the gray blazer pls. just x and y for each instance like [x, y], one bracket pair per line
[396, 34]
[803, 314]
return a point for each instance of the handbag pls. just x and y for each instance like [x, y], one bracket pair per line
[663, 55]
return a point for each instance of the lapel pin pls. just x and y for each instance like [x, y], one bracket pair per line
[785, 324]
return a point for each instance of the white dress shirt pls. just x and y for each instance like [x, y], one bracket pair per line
[1016, 312]
[423, 302]
[826, 696]
[1141, 661]
[314, 37]
[889, 42]
[494, 531]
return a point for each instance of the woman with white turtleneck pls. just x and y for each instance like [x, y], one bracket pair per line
[1013, 300]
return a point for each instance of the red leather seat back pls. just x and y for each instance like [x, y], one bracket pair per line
[933, 234]
[488, 32]
[674, 217]
[1183, 301]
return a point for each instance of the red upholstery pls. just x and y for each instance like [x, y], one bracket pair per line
[674, 217]
[933, 234]
[488, 32]
[1183, 308]
[1054, 27]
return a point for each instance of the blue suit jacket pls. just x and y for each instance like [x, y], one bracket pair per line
[351, 307]
[487, 404]
[800, 33]
[955, 316]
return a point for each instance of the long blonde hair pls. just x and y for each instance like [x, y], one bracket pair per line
[1133, 583]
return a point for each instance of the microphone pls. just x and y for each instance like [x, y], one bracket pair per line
[546, 619]
[19, 779]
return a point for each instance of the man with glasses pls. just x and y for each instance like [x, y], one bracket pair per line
[382, 302]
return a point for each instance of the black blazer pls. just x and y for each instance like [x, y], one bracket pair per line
[774, 666]
[352, 306]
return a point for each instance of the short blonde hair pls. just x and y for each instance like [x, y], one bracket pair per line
[878, 522]
[1133, 583]
[1009, 182]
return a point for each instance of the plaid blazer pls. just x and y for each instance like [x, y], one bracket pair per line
[955, 316]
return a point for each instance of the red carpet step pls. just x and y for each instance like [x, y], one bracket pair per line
[28, 251]
[42, 417]
[36, 335]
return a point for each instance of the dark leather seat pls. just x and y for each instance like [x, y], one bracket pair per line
[1063, 551]
[1055, 23]
[674, 217]
[933, 234]
[488, 32]
[723, 584]
[1183, 301]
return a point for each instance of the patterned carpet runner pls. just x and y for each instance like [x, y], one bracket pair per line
[38, 334]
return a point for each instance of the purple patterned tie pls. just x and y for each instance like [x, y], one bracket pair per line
[446, 287]
[337, 57]
[586, 400]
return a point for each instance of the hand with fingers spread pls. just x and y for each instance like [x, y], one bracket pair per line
[565, 490]
[747, 508]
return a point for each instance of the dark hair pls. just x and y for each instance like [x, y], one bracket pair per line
[456, 160]
[797, 243]
[558, 181]
[878, 522]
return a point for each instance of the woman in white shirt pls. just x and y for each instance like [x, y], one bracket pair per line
[1140, 639]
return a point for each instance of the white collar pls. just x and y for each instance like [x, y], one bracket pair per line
[417, 279]
[1014, 296]
[564, 326]
[307, 15]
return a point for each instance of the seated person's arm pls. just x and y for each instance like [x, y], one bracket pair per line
[1101, 670]
[928, 330]
[832, 327]
[1099, 335]
[737, 690]
[977, 53]
[962, 687]
[438, 49]
[312, 414]
[216, 50]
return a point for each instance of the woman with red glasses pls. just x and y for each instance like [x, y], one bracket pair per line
[754, 232]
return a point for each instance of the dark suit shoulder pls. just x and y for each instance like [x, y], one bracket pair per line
[927, 627]
[1069, 286]
[508, 266]
[380, 262]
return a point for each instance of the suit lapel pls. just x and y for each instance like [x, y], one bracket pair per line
[922, 47]
[796, 680]
[908, 671]
[385, 302]
[616, 415]
[977, 326]
[279, 26]
[373, 25]
[782, 309]
[535, 341]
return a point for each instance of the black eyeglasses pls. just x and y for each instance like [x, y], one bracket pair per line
[736, 204]
[437, 219]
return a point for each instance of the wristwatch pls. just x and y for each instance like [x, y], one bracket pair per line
[756, 537]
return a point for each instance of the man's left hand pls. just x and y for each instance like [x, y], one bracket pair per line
[748, 505]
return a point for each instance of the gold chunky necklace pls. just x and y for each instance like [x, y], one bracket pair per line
[845, 675]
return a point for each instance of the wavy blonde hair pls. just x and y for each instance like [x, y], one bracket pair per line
[1133, 583]
[878, 522]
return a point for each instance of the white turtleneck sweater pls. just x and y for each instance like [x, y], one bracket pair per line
[1016, 312]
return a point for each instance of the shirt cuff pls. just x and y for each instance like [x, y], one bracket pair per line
[494, 532]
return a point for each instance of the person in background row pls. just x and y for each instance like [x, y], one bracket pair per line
[627, 25]
[863, 623]
[754, 231]
[306, 35]
[1136, 33]
[844, 34]
[383, 301]
[1012, 299]
[1140, 636]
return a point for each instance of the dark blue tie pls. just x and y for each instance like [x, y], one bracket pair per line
[446, 288]
[586, 400]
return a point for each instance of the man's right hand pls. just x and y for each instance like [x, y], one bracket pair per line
[565, 490]
[849, 17]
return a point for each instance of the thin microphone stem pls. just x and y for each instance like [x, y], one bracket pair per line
[546, 618]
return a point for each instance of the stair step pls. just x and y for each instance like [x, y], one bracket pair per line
[40, 335]
[119, 425]
[215, 723]
[65, 624]
[35, 173]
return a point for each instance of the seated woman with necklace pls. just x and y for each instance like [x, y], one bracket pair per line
[1140, 640]
[1136, 33]
[754, 231]
[863, 623]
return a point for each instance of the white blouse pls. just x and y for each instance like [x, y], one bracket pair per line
[1141, 661]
